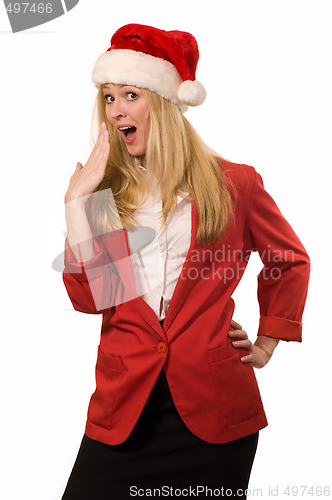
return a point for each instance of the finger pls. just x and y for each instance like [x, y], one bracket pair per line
[102, 156]
[243, 344]
[99, 147]
[235, 325]
[247, 359]
[103, 134]
[240, 334]
[102, 130]
[100, 137]
[101, 152]
[98, 163]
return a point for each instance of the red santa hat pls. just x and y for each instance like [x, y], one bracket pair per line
[162, 61]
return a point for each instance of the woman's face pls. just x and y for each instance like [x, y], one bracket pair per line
[127, 110]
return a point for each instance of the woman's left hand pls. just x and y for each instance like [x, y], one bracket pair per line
[259, 353]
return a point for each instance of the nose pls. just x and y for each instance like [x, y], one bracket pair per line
[117, 110]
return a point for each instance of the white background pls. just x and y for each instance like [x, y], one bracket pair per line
[266, 66]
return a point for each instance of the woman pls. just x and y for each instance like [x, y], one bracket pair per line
[176, 403]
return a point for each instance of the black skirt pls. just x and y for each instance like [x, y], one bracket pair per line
[160, 458]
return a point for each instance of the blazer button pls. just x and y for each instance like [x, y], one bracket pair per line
[162, 347]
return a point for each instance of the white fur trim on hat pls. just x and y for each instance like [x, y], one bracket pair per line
[124, 66]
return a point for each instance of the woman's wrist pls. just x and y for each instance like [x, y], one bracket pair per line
[76, 200]
[79, 235]
[268, 344]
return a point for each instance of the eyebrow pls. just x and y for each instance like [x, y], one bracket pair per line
[119, 84]
[105, 86]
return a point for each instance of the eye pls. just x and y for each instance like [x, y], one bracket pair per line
[132, 96]
[109, 98]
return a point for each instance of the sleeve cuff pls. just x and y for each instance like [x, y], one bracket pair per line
[280, 328]
[72, 266]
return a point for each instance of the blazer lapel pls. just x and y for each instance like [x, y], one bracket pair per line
[184, 283]
[118, 249]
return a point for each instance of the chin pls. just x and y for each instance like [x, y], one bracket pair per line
[136, 151]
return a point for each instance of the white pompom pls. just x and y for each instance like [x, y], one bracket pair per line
[191, 93]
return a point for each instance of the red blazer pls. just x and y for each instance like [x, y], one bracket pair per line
[215, 394]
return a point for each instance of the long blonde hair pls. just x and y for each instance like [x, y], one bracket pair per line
[177, 159]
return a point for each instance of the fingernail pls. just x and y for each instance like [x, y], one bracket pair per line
[235, 344]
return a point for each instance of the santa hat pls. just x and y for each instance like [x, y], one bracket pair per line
[162, 61]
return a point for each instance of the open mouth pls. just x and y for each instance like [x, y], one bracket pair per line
[128, 133]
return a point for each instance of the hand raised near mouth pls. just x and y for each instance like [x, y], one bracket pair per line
[85, 179]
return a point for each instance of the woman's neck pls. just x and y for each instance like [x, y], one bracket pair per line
[142, 160]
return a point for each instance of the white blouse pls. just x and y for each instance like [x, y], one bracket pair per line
[158, 264]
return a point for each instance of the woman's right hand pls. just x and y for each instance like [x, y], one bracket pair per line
[85, 179]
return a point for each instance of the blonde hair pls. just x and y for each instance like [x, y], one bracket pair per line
[177, 159]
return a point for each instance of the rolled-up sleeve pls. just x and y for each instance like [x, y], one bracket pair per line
[283, 281]
[90, 286]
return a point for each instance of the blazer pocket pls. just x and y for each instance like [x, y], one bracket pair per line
[235, 383]
[108, 376]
